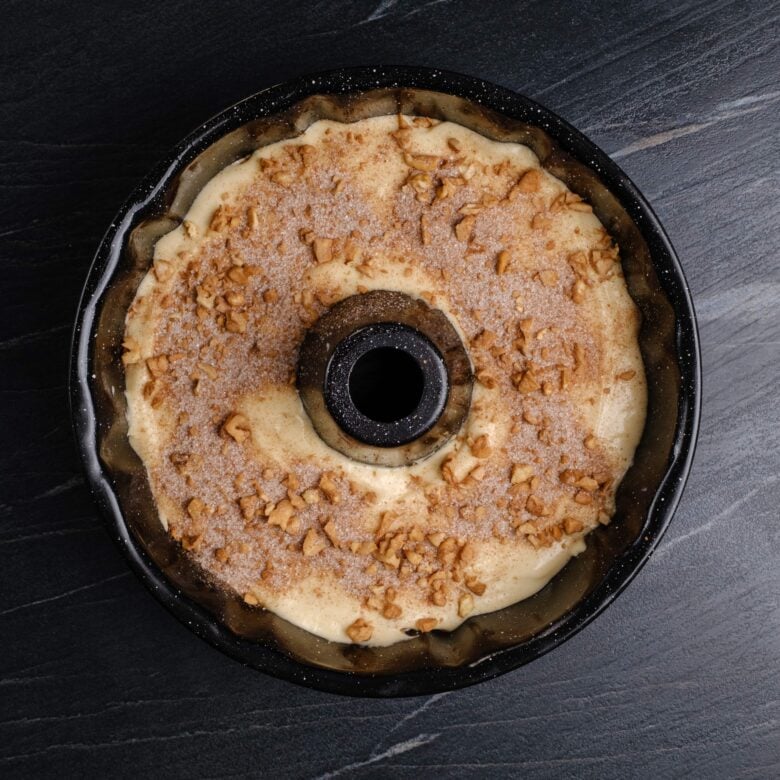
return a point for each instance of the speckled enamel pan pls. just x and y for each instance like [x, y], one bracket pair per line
[486, 645]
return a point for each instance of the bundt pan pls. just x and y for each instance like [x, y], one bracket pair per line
[485, 645]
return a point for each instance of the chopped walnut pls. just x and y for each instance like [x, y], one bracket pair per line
[360, 631]
[480, 447]
[391, 611]
[248, 506]
[422, 162]
[521, 472]
[526, 382]
[311, 496]
[424, 625]
[157, 365]
[197, 510]
[465, 228]
[238, 274]
[529, 182]
[282, 515]
[475, 586]
[465, 605]
[323, 249]
[163, 270]
[502, 262]
[222, 554]
[330, 531]
[571, 526]
[132, 353]
[236, 322]
[329, 488]
[237, 427]
[536, 507]
[313, 543]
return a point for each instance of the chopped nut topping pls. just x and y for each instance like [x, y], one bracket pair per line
[391, 611]
[313, 543]
[486, 379]
[424, 625]
[480, 447]
[537, 507]
[526, 382]
[360, 631]
[624, 376]
[502, 262]
[465, 605]
[132, 352]
[311, 496]
[249, 506]
[571, 526]
[251, 599]
[475, 586]
[422, 162]
[323, 249]
[163, 270]
[220, 219]
[222, 554]
[237, 427]
[236, 322]
[425, 233]
[282, 515]
[238, 274]
[465, 228]
[197, 510]
[330, 531]
[529, 182]
[157, 365]
[329, 488]
[521, 472]
[283, 178]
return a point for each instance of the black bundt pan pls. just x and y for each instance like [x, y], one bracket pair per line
[486, 645]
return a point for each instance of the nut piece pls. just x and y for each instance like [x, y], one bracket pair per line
[529, 182]
[502, 262]
[571, 526]
[237, 426]
[196, 509]
[282, 515]
[480, 447]
[329, 488]
[132, 353]
[236, 322]
[465, 228]
[475, 586]
[157, 365]
[526, 382]
[422, 162]
[424, 625]
[359, 631]
[521, 472]
[313, 543]
[323, 249]
[465, 605]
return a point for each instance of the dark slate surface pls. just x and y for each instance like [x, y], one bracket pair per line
[680, 677]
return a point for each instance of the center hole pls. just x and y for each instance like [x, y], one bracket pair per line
[386, 384]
